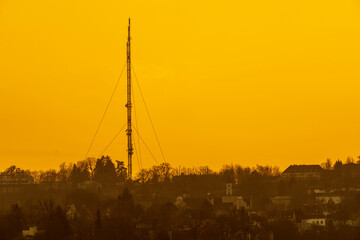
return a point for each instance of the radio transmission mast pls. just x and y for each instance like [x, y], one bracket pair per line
[128, 106]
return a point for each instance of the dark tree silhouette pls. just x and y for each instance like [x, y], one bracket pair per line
[206, 210]
[57, 226]
[284, 230]
[104, 172]
[79, 175]
[121, 171]
[12, 223]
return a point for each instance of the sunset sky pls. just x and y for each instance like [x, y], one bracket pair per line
[244, 82]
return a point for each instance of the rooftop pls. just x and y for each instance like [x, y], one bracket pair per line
[303, 168]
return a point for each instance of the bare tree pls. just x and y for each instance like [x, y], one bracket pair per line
[327, 165]
[48, 176]
[205, 170]
[64, 172]
[349, 160]
[91, 163]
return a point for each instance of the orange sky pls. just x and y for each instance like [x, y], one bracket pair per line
[244, 82]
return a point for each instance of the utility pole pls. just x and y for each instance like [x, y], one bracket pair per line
[128, 106]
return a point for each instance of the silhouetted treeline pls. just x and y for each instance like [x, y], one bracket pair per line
[108, 172]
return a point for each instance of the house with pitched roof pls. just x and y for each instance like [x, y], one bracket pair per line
[303, 172]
